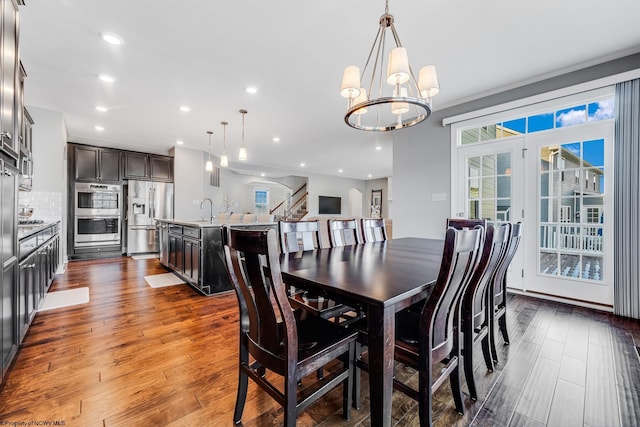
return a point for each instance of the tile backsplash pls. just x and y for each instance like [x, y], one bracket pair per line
[47, 205]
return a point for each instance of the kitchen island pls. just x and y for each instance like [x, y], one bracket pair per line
[193, 250]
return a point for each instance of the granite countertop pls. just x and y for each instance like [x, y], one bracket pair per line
[204, 223]
[27, 230]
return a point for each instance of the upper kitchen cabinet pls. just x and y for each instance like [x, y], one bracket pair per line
[147, 167]
[9, 79]
[96, 164]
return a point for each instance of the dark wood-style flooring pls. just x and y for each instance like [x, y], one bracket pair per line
[140, 356]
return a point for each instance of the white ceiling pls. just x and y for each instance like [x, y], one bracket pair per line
[203, 53]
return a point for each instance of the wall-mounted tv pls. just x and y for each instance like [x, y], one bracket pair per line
[329, 205]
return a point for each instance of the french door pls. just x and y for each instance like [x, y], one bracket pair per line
[558, 184]
[571, 214]
[490, 182]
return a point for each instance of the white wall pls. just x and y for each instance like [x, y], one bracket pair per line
[49, 191]
[327, 185]
[189, 182]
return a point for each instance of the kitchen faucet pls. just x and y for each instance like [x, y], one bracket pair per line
[210, 204]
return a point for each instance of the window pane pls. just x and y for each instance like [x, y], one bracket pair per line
[593, 153]
[549, 263]
[504, 164]
[488, 187]
[488, 209]
[592, 268]
[601, 110]
[504, 186]
[474, 209]
[570, 154]
[548, 236]
[571, 116]
[514, 127]
[503, 210]
[570, 265]
[469, 136]
[487, 132]
[489, 165]
[544, 210]
[540, 122]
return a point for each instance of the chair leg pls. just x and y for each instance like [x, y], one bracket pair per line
[243, 384]
[502, 322]
[486, 352]
[456, 388]
[356, 374]
[467, 353]
[347, 385]
[425, 402]
[291, 401]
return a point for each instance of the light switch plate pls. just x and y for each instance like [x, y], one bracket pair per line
[438, 197]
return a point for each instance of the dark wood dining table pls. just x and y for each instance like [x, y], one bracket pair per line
[381, 278]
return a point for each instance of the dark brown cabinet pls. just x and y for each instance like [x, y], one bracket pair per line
[9, 66]
[8, 266]
[39, 255]
[148, 167]
[95, 164]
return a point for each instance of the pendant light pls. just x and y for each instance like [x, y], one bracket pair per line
[224, 160]
[209, 165]
[403, 101]
[242, 154]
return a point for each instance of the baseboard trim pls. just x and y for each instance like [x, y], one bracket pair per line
[572, 301]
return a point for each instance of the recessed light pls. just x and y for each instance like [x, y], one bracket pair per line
[339, 170]
[369, 176]
[98, 128]
[303, 164]
[112, 39]
[185, 108]
[378, 148]
[179, 142]
[276, 139]
[251, 89]
[106, 78]
[263, 174]
[101, 108]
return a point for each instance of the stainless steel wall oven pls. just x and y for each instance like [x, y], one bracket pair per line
[98, 199]
[98, 214]
[97, 230]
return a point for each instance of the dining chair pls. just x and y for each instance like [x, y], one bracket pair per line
[373, 230]
[499, 294]
[476, 307]
[431, 336]
[222, 217]
[296, 236]
[270, 333]
[235, 218]
[343, 232]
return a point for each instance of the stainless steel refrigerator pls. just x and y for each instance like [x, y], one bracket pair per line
[146, 201]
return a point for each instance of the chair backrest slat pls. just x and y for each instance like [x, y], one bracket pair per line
[373, 230]
[298, 236]
[343, 232]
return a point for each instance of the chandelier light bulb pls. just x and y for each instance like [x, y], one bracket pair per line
[398, 71]
[428, 82]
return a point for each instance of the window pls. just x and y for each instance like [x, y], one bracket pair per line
[261, 198]
[547, 120]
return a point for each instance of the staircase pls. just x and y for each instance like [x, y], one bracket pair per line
[293, 208]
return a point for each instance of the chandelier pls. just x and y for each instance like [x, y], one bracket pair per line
[393, 101]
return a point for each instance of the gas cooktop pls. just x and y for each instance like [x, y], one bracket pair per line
[30, 221]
